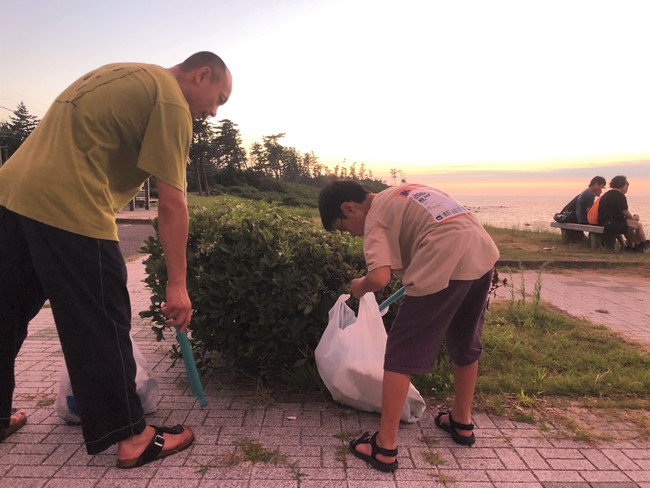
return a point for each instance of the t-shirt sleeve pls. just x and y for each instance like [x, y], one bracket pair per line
[166, 143]
[380, 250]
[623, 203]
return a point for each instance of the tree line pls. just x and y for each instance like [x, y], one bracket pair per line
[217, 155]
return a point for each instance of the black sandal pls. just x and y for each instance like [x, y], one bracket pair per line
[372, 459]
[156, 448]
[452, 427]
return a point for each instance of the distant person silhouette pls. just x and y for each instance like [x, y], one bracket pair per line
[614, 215]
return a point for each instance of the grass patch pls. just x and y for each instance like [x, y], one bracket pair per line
[547, 246]
[532, 349]
[248, 450]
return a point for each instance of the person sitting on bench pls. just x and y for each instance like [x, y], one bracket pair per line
[614, 215]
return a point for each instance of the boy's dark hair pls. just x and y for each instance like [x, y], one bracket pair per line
[618, 182]
[597, 180]
[333, 195]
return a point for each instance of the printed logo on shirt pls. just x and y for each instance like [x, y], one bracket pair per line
[440, 205]
[404, 191]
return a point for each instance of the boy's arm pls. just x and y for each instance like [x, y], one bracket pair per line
[375, 280]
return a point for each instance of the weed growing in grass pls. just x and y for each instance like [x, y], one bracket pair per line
[46, 401]
[643, 423]
[341, 453]
[263, 396]
[433, 458]
[524, 400]
[255, 452]
[572, 429]
[444, 478]
[343, 413]
[296, 474]
[428, 440]
[346, 435]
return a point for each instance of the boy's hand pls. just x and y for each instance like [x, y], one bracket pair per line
[356, 288]
[375, 280]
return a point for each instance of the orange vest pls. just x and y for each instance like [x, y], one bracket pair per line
[592, 215]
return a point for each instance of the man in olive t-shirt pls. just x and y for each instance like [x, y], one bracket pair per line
[101, 138]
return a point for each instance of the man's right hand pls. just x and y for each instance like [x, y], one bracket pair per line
[178, 307]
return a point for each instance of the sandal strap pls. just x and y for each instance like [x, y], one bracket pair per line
[380, 450]
[456, 426]
[158, 442]
[362, 439]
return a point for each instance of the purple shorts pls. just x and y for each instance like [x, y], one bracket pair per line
[454, 314]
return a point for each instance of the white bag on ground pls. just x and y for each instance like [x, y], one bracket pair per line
[146, 387]
[350, 358]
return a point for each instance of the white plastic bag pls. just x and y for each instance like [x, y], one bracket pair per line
[350, 358]
[146, 387]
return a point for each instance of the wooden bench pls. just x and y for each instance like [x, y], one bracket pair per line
[595, 234]
[142, 198]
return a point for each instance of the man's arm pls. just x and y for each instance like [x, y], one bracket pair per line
[628, 215]
[375, 280]
[173, 224]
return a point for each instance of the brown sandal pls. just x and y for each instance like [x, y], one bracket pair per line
[156, 448]
[15, 426]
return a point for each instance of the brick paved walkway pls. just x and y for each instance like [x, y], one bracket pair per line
[618, 302]
[308, 433]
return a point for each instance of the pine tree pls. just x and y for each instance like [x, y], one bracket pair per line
[228, 146]
[13, 133]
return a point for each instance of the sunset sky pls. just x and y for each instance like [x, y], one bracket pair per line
[472, 96]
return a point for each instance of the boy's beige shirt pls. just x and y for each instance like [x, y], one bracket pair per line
[101, 138]
[427, 238]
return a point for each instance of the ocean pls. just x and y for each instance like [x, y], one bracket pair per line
[534, 212]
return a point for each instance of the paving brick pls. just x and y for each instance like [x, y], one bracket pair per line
[32, 471]
[510, 475]
[566, 464]
[511, 459]
[604, 476]
[598, 459]
[620, 459]
[74, 483]
[639, 475]
[167, 483]
[354, 483]
[567, 476]
[615, 485]
[508, 484]
[554, 453]
[8, 482]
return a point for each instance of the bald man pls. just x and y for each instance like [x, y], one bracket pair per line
[59, 192]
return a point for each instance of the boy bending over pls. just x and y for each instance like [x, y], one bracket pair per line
[445, 260]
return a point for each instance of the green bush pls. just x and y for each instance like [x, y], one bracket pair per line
[261, 281]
